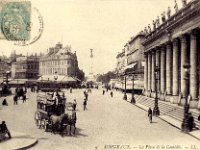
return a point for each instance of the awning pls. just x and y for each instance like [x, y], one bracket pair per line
[131, 66]
[57, 78]
[51, 78]
[18, 81]
[68, 79]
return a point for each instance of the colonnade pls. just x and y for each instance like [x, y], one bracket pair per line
[170, 58]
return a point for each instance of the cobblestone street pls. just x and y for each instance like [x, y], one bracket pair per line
[106, 123]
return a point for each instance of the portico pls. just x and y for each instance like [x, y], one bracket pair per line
[173, 44]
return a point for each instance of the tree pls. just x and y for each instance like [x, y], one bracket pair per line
[80, 75]
[105, 78]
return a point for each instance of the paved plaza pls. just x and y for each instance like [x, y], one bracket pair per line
[108, 123]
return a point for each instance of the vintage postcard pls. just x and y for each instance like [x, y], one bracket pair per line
[99, 74]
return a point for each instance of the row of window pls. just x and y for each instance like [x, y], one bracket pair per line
[29, 66]
[51, 63]
[63, 71]
[26, 75]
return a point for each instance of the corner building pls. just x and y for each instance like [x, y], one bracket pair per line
[59, 60]
[169, 47]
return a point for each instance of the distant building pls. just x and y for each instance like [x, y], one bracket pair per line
[121, 60]
[25, 67]
[4, 67]
[135, 53]
[59, 60]
[130, 62]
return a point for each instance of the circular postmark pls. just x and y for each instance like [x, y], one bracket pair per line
[36, 27]
[15, 21]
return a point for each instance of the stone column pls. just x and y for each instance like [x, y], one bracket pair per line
[169, 69]
[158, 64]
[175, 87]
[163, 70]
[153, 84]
[183, 61]
[149, 71]
[193, 63]
[146, 72]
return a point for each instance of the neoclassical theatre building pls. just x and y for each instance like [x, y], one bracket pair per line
[169, 47]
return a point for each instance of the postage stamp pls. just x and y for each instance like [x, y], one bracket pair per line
[36, 27]
[15, 19]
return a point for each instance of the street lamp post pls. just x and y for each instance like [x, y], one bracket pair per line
[185, 122]
[133, 98]
[55, 78]
[125, 96]
[156, 111]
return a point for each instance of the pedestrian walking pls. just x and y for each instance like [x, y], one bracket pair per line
[24, 98]
[111, 93]
[150, 115]
[84, 104]
[70, 90]
[74, 104]
[103, 92]
[15, 99]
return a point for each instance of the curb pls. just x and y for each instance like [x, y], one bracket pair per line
[28, 146]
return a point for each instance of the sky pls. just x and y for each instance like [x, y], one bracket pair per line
[102, 25]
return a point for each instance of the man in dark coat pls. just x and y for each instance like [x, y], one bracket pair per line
[150, 115]
[4, 129]
[74, 104]
[191, 122]
[111, 94]
[15, 99]
[84, 104]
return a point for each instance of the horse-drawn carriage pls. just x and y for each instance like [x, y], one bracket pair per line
[50, 114]
[20, 92]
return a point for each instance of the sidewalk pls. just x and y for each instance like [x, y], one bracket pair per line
[18, 141]
[170, 120]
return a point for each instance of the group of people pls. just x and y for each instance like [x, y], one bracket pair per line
[4, 131]
[111, 92]
[74, 104]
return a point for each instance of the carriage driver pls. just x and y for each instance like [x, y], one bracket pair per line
[55, 97]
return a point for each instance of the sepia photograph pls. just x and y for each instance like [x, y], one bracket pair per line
[99, 74]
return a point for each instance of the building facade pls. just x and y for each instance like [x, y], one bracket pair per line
[130, 62]
[170, 47]
[135, 53]
[121, 60]
[25, 67]
[59, 60]
[4, 66]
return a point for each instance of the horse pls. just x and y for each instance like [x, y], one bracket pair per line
[60, 123]
[71, 121]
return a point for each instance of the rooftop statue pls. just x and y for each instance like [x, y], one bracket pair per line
[176, 6]
[145, 30]
[169, 12]
[158, 21]
[149, 28]
[163, 16]
[154, 25]
[184, 2]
